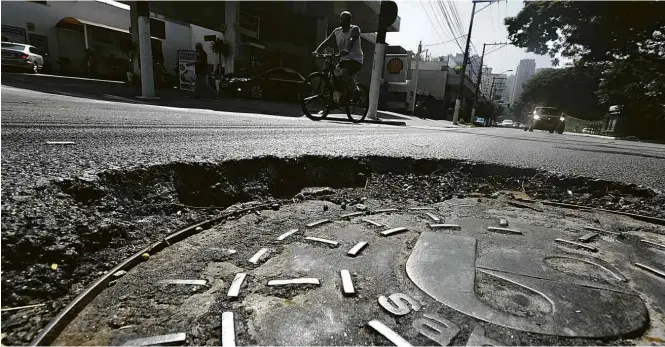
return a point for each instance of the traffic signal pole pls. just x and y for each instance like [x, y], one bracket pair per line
[387, 15]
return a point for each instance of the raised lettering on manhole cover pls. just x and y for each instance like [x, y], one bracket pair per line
[185, 282]
[393, 231]
[234, 290]
[273, 283]
[445, 226]
[157, 340]
[399, 304]
[347, 283]
[318, 222]
[228, 330]
[258, 255]
[389, 334]
[369, 221]
[357, 249]
[436, 328]
[444, 267]
[287, 234]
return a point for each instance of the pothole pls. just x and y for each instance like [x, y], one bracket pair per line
[86, 225]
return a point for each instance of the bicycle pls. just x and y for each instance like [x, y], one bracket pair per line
[320, 86]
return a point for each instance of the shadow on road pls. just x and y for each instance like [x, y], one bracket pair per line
[121, 92]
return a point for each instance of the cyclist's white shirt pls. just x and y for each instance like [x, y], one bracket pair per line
[342, 39]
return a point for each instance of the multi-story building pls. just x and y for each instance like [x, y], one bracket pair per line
[525, 70]
[261, 34]
[506, 95]
[486, 81]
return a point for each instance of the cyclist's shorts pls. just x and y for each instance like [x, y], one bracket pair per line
[352, 66]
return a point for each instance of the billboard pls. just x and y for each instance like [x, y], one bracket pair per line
[395, 68]
[187, 69]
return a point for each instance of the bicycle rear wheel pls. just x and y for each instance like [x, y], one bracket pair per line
[317, 93]
[357, 109]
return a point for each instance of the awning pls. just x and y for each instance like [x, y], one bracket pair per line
[71, 23]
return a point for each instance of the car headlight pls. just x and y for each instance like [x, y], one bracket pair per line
[240, 89]
[535, 116]
[562, 119]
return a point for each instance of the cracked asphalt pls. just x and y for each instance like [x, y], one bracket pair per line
[120, 135]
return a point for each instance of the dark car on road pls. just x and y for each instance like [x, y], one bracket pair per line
[277, 84]
[547, 118]
[21, 56]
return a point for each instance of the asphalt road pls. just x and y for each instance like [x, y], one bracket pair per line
[115, 134]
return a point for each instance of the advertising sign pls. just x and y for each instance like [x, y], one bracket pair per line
[394, 69]
[248, 25]
[187, 69]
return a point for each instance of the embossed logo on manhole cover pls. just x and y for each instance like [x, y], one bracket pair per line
[446, 268]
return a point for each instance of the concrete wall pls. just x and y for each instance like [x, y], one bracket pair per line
[178, 36]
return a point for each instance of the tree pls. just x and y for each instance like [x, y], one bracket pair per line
[624, 40]
[591, 31]
[572, 90]
[221, 48]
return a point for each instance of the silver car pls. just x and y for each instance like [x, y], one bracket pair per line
[22, 56]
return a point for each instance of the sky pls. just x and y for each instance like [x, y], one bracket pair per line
[423, 20]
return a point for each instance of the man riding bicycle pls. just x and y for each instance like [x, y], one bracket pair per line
[346, 39]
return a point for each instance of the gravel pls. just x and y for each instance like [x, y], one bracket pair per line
[88, 224]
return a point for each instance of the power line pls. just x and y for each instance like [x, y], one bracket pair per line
[431, 22]
[448, 22]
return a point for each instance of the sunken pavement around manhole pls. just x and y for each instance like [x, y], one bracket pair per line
[462, 271]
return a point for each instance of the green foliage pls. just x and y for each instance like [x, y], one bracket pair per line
[571, 89]
[220, 47]
[624, 41]
[592, 31]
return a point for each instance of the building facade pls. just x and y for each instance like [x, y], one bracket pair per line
[525, 70]
[486, 81]
[93, 38]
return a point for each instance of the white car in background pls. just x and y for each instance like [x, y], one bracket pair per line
[22, 56]
[507, 123]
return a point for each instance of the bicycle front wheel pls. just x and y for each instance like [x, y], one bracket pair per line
[359, 105]
[317, 93]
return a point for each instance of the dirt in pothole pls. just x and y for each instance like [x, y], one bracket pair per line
[59, 237]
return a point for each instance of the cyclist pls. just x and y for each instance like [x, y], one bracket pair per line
[346, 39]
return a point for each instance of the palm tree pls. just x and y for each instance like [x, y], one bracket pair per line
[220, 47]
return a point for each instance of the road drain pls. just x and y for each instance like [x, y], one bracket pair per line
[87, 225]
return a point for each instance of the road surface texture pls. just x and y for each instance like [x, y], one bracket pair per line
[87, 183]
[108, 134]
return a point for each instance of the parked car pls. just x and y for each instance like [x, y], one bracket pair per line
[21, 56]
[479, 122]
[277, 83]
[547, 118]
[587, 131]
[507, 123]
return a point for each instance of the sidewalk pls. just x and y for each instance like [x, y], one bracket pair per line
[120, 91]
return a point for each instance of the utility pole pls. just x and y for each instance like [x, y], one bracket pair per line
[460, 90]
[145, 50]
[387, 15]
[415, 80]
[480, 74]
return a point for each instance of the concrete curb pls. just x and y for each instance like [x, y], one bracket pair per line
[369, 121]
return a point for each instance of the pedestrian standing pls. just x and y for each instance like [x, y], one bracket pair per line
[201, 70]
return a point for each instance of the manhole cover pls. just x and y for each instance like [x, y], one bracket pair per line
[446, 273]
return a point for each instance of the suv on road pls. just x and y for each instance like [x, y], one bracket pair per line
[547, 118]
